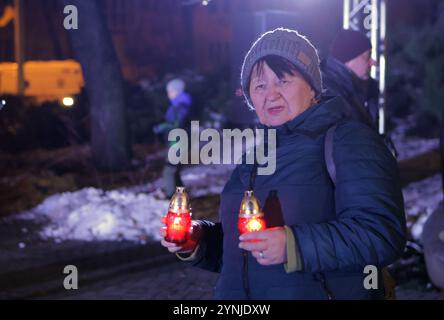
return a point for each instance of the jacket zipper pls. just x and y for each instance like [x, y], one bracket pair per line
[246, 284]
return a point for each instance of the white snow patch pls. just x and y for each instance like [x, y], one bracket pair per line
[199, 180]
[92, 214]
[206, 180]
[421, 198]
[408, 146]
[132, 214]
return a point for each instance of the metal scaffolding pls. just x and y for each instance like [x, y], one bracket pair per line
[369, 16]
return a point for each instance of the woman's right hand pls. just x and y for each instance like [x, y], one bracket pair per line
[189, 245]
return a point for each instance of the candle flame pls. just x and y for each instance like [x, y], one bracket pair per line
[254, 225]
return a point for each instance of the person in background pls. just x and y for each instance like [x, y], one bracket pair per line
[346, 72]
[177, 116]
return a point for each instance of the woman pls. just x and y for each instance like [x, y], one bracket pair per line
[321, 234]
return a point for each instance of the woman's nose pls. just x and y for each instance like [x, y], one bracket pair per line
[273, 92]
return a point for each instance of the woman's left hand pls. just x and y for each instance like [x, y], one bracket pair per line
[267, 246]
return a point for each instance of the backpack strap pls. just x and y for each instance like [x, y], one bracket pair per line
[328, 153]
[388, 281]
[331, 168]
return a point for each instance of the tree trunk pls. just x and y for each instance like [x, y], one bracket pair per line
[48, 13]
[93, 48]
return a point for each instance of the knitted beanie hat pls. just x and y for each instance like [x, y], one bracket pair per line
[349, 44]
[290, 45]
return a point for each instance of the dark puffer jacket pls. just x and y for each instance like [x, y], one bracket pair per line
[337, 231]
[361, 96]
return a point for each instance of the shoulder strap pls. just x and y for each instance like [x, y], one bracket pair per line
[253, 175]
[328, 153]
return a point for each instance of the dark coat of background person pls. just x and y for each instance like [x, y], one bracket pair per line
[338, 229]
[361, 96]
[177, 116]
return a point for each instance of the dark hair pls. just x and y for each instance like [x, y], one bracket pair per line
[278, 64]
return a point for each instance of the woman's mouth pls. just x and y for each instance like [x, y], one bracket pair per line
[275, 110]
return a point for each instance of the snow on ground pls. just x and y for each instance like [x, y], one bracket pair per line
[205, 180]
[124, 214]
[408, 146]
[93, 214]
[421, 198]
[199, 180]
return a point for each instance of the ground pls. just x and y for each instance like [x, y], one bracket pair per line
[175, 281]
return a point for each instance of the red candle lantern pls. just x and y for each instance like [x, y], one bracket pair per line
[251, 218]
[178, 219]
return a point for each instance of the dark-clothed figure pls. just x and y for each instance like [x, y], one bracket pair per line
[346, 72]
[177, 116]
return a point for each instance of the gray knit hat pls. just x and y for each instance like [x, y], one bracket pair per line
[290, 45]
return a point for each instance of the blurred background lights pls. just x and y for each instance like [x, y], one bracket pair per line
[68, 102]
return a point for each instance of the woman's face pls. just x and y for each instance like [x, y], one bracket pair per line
[277, 101]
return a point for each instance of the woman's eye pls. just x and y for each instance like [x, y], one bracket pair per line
[260, 86]
[283, 81]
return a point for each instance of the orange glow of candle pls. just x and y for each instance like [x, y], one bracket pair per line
[178, 227]
[251, 217]
[251, 224]
[178, 220]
